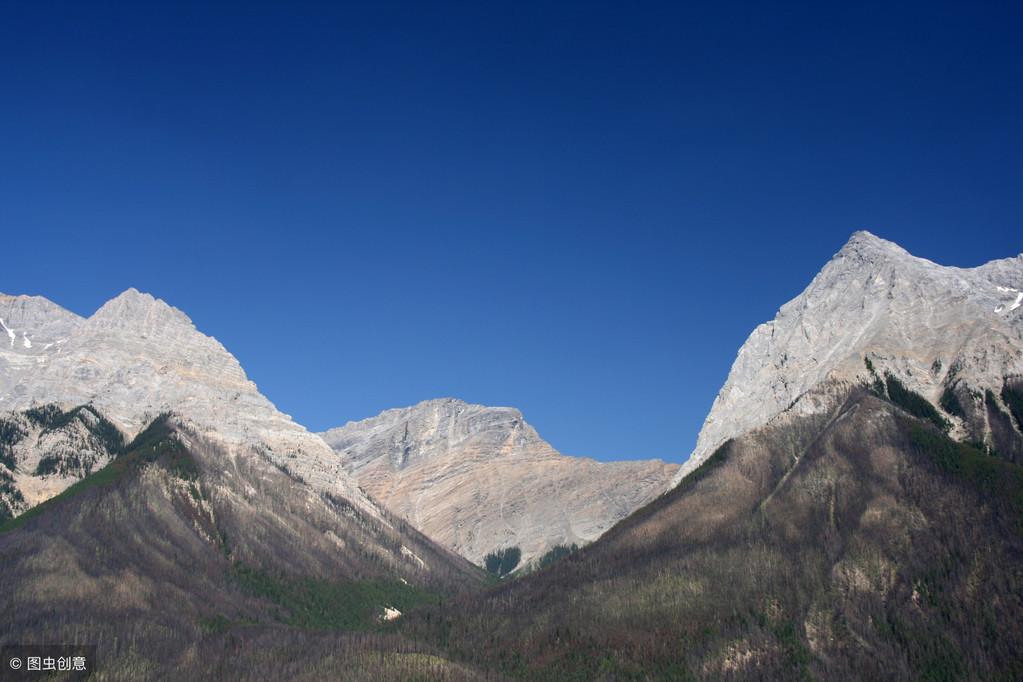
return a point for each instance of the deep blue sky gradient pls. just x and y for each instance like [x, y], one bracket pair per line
[577, 209]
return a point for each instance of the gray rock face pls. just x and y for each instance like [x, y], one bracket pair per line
[936, 328]
[478, 478]
[138, 357]
[32, 329]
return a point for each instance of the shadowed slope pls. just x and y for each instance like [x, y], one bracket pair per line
[856, 543]
[179, 542]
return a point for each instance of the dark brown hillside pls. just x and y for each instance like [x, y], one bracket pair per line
[860, 544]
[180, 560]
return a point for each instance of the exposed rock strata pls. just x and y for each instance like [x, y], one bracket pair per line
[478, 478]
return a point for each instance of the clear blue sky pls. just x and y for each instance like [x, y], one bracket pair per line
[577, 209]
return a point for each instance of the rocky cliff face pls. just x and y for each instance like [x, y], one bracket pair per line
[478, 478]
[944, 332]
[138, 357]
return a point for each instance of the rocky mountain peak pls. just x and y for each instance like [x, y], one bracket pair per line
[133, 309]
[439, 425]
[933, 327]
[137, 357]
[478, 478]
[36, 317]
[869, 247]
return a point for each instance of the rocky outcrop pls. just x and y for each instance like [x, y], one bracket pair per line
[476, 478]
[941, 331]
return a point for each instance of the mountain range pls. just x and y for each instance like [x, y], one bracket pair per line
[853, 508]
[474, 479]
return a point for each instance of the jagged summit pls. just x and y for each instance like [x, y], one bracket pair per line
[934, 327]
[142, 311]
[864, 241]
[866, 250]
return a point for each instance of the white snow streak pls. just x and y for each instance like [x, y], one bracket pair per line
[10, 332]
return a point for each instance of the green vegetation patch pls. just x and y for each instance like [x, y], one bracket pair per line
[317, 604]
[52, 418]
[11, 434]
[913, 402]
[1013, 399]
[62, 466]
[555, 553]
[998, 481]
[876, 385]
[503, 561]
[950, 403]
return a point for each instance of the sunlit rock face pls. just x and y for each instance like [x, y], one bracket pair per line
[478, 478]
[138, 357]
[935, 328]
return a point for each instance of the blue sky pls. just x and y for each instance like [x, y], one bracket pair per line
[577, 209]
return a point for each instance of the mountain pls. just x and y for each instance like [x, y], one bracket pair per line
[856, 511]
[165, 511]
[851, 522]
[859, 543]
[136, 358]
[183, 559]
[953, 335]
[477, 479]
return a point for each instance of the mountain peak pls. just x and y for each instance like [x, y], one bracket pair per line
[868, 246]
[132, 296]
[933, 327]
[135, 308]
[479, 478]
